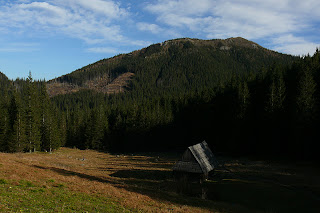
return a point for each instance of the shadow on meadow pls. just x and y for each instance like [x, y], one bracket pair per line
[235, 192]
[247, 187]
[144, 174]
[72, 173]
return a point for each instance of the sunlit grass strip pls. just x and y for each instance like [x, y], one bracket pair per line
[29, 197]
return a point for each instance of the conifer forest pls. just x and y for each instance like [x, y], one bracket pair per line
[243, 99]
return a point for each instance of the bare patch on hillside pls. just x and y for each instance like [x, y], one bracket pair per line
[106, 85]
[56, 88]
[103, 84]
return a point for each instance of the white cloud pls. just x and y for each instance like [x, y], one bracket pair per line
[39, 13]
[181, 7]
[156, 30]
[109, 22]
[153, 28]
[141, 43]
[16, 49]
[19, 47]
[252, 19]
[103, 50]
[107, 8]
[223, 18]
[93, 21]
[294, 45]
[298, 49]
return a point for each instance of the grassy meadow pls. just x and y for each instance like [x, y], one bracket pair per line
[72, 180]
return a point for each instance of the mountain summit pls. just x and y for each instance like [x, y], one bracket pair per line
[180, 62]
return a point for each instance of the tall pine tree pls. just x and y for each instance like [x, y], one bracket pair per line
[33, 138]
[243, 99]
[306, 101]
[48, 127]
[277, 94]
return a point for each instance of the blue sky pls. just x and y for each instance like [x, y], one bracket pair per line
[55, 37]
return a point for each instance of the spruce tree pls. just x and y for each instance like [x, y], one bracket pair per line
[95, 129]
[11, 143]
[4, 122]
[243, 99]
[49, 133]
[281, 92]
[32, 117]
[19, 125]
[306, 101]
[277, 94]
[272, 98]
[61, 127]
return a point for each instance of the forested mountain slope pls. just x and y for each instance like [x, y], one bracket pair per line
[3, 77]
[179, 92]
[183, 64]
[240, 97]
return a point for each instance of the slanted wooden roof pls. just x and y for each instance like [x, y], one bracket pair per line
[204, 156]
[204, 160]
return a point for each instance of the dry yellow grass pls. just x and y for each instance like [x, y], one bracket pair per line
[143, 183]
[99, 174]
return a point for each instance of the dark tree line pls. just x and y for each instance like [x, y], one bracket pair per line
[242, 101]
[272, 111]
[28, 120]
[275, 114]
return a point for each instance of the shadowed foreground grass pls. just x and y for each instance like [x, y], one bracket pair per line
[72, 180]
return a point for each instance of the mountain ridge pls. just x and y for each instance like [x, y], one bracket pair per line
[239, 97]
[3, 76]
[113, 72]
